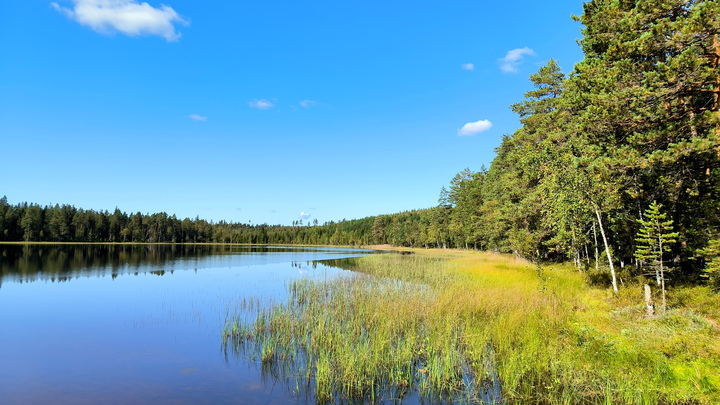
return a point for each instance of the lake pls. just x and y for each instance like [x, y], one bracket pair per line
[140, 324]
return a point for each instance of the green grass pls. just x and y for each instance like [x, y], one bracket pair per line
[452, 325]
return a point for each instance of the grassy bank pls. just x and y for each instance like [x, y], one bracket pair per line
[470, 326]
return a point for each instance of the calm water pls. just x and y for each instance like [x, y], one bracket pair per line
[107, 324]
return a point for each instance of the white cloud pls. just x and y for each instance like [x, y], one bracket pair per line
[467, 66]
[308, 103]
[473, 128]
[304, 215]
[261, 104]
[128, 17]
[197, 117]
[514, 58]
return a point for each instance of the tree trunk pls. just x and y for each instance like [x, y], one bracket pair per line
[587, 256]
[607, 249]
[649, 306]
[597, 253]
[578, 264]
[576, 252]
[662, 276]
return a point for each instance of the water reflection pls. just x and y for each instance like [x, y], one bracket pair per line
[138, 324]
[64, 262]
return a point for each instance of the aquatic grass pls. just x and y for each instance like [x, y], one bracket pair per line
[467, 327]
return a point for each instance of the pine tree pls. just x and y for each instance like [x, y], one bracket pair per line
[654, 239]
[712, 256]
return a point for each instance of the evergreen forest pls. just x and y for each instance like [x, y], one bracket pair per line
[635, 124]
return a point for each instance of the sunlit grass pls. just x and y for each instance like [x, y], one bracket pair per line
[467, 326]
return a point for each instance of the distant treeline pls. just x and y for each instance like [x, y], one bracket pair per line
[637, 121]
[31, 222]
[65, 223]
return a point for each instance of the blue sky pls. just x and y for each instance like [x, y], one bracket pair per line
[263, 111]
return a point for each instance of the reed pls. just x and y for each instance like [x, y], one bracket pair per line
[471, 327]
